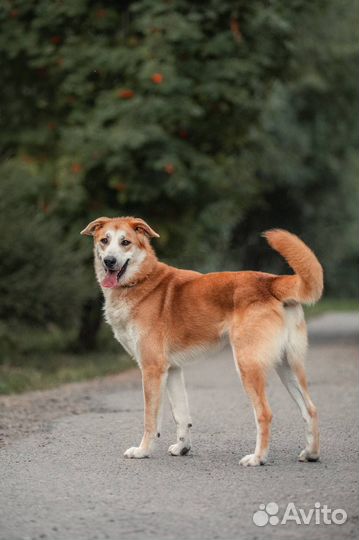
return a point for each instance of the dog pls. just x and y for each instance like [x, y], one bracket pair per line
[164, 316]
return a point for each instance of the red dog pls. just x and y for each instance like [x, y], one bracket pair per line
[164, 316]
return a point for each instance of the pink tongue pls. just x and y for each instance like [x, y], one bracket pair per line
[110, 280]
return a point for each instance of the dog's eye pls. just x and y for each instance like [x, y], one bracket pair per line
[104, 241]
[125, 243]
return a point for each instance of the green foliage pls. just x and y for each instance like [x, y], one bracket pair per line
[138, 105]
[41, 269]
[213, 120]
[306, 147]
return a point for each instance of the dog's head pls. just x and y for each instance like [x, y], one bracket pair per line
[122, 248]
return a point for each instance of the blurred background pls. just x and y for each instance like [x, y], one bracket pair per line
[212, 120]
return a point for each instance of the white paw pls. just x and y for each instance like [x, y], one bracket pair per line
[179, 449]
[251, 460]
[136, 452]
[307, 455]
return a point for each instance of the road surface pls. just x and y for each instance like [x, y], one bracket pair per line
[63, 475]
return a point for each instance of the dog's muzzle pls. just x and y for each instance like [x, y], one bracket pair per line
[112, 276]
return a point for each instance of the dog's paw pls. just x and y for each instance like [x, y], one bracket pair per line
[307, 455]
[251, 460]
[179, 449]
[136, 452]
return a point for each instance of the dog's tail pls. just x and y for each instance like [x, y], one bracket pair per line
[306, 285]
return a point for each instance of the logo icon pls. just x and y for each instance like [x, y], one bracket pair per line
[266, 514]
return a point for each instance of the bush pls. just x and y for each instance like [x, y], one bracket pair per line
[213, 120]
[41, 271]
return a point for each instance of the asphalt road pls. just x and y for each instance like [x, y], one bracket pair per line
[65, 477]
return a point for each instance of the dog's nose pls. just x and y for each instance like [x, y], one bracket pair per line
[110, 262]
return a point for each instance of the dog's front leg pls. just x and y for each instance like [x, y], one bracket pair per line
[153, 380]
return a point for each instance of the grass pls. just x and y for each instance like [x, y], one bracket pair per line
[329, 304]
[69, 368]
[35, 359]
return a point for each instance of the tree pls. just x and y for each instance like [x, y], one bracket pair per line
[212, 120]
[41, 278]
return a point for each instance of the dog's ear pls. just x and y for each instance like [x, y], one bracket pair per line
[139, 225]
[94, 225]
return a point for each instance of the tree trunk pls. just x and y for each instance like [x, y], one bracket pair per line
[91, 318]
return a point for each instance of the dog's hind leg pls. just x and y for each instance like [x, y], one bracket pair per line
[292, 374]
[179, 404]
[254, 381]
[256, 339]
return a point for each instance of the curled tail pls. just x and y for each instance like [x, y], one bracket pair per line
[306, 285]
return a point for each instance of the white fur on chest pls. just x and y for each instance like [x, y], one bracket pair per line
[118, 316]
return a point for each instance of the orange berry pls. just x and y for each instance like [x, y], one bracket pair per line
[101, 13]
[56, 40]
[169, 168]
[157, 78]
[120, 186]
[76, 168]
[125, 93]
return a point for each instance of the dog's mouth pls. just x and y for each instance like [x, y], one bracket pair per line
[112, 277]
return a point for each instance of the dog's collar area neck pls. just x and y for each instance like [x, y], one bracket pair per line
[130, 285]
[134, 283]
